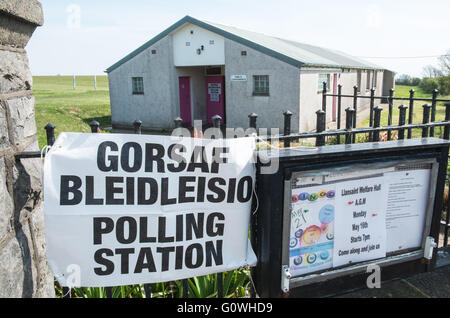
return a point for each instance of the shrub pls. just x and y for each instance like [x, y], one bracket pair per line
[444, 85]
[428, 84]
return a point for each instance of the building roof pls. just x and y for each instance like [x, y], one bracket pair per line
[294, 53]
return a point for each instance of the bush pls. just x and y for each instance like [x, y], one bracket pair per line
[415, 81]
[428, 84]
[444, 85]
[405, 79]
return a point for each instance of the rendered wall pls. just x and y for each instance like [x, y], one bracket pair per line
[284, 83]
[311, 95]
[155, 107]
[186, 55]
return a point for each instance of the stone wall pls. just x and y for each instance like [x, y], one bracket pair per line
[23, 267]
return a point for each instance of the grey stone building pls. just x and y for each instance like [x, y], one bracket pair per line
[23, 267]
[197, 69]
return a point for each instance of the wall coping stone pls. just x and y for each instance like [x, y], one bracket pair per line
[28, 10]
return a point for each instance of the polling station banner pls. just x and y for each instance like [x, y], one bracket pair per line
[133, 209]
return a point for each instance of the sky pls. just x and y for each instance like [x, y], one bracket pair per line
[85, 37]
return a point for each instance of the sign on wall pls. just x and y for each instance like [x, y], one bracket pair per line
[348, 215]
[239, 78]
[129, 209]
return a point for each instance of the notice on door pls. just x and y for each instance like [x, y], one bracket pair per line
[214, 91]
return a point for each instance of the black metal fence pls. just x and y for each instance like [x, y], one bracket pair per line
[349, 133]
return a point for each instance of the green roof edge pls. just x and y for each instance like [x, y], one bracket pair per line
[228, 35]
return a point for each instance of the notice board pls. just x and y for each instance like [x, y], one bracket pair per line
[329, 213]
[356, 213]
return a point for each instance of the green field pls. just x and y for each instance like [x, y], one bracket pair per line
[68, 109]
[403, 91]
[72, 110]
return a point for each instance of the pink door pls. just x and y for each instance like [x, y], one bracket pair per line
[215, 97]
[185, 99]
[333, 110]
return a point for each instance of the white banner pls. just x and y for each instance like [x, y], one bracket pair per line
[134, 209]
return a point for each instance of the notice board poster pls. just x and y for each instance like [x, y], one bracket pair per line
[353, 214]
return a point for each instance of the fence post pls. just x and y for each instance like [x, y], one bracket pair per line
[447, 118]
[348, 124]
[287, 127]
[178, 121]
[376, 122]
[339, 103]
[411, 111]
[391, 105]
[148, 290]
[324, 96]
[252, 120]
[372, 105]
[401, 121]
[433, 110]
[66, 292]
[320, 126]
[94, 126]
[216, 123]
[185, 288]
[426, 119]
[147, 287]
[50, 131]
[355, 109]
[137, 127]
[94, 129]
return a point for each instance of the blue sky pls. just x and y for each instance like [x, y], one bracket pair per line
[85, 37]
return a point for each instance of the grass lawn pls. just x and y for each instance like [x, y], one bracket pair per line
[403, 91]
[70, 110]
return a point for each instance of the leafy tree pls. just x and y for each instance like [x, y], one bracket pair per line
[437, 78]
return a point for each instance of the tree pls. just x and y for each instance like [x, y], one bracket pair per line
[437, 78]
[444, 63]
[430, 71]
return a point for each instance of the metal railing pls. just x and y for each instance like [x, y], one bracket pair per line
[404, 129]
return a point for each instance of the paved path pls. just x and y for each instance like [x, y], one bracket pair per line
[435, 284]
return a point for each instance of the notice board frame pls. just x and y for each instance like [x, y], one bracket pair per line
[269, 222]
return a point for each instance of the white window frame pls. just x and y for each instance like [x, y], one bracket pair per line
[321, 80]
[261, 85]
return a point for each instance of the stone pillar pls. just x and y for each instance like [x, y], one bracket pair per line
[23, 266]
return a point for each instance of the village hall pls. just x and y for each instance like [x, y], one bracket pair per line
[197, 69]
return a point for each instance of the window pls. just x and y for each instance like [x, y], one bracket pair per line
[323, 78]
[369, 73]
[213, 71]
[137, 85]
[261, 85]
